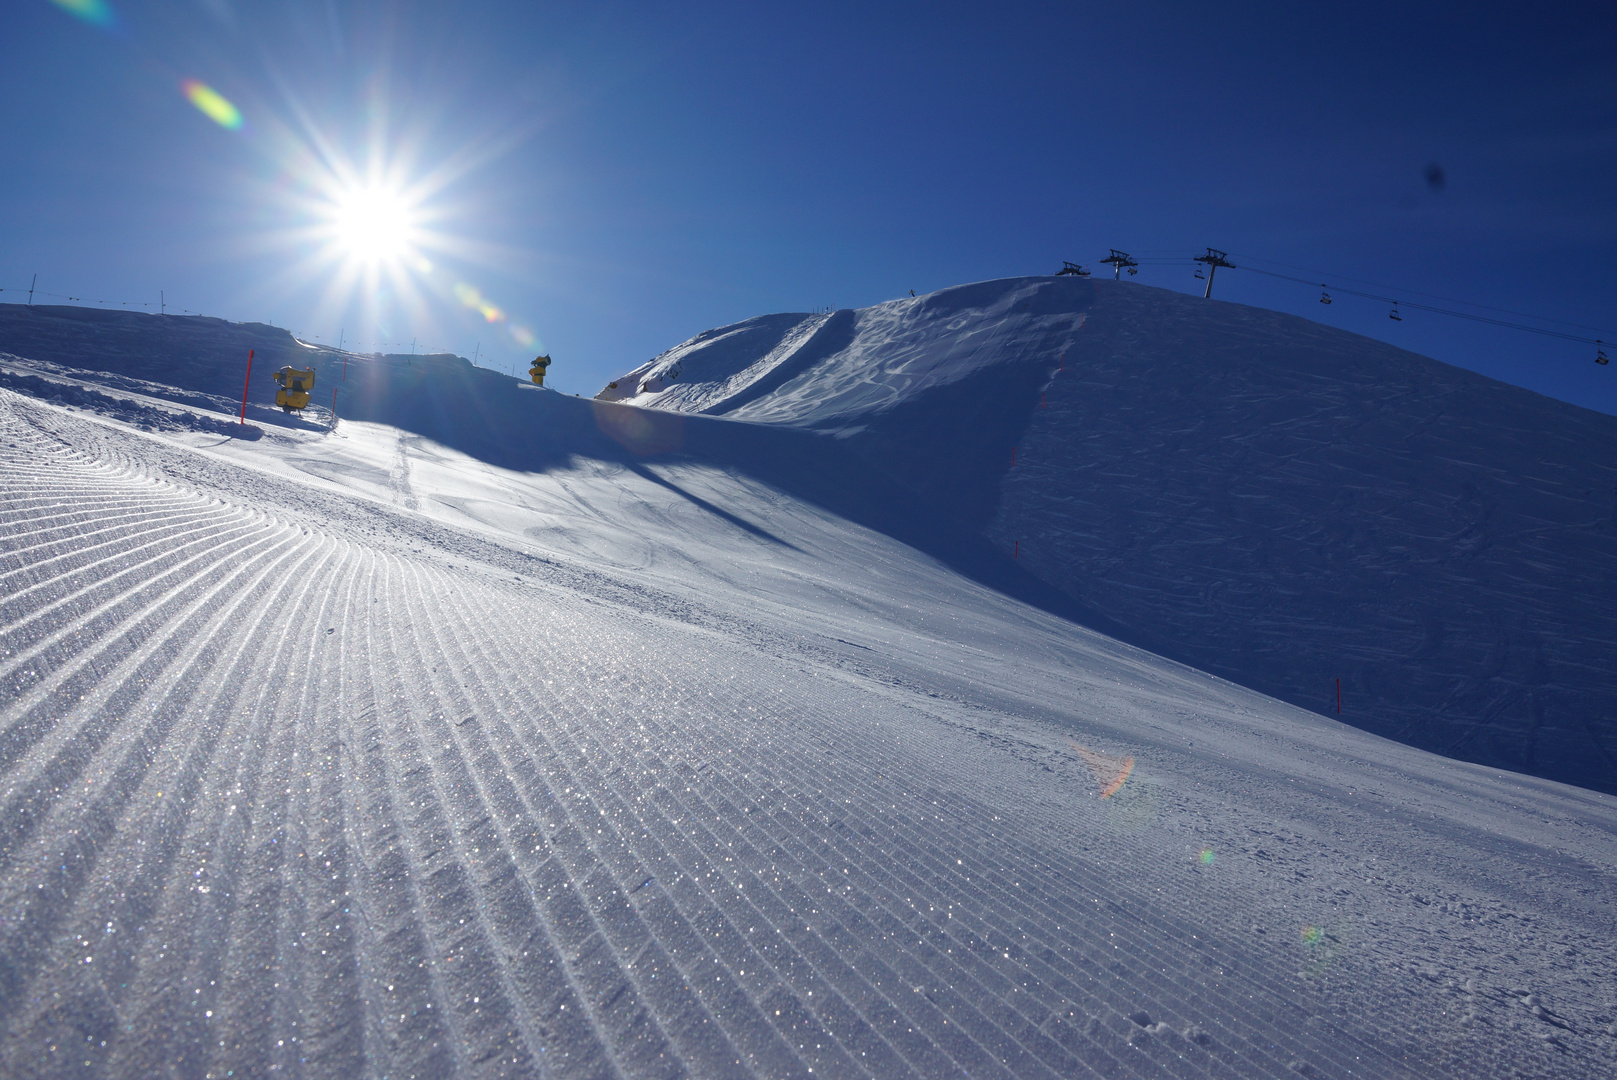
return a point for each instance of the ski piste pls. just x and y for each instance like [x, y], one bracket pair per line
[496, 732]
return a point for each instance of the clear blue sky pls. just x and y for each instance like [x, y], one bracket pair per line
[612, 178]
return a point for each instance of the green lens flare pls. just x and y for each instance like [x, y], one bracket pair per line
[95, 12]
[212, 104]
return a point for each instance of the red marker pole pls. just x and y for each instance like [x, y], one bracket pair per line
[333, 406]
[245, 384]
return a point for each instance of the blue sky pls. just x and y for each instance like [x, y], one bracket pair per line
[604, 180]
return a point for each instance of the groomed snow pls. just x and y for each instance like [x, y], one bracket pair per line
[353, 754]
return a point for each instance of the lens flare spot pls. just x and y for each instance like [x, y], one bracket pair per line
[470, 297]
[212, 104]
[95, 12]
[1110, 772]
[645, 432]
[1312, 935]
[1207, 857]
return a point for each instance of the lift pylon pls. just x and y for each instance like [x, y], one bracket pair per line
[1119, 261]
[1214, 259]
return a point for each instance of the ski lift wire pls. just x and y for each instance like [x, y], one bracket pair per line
[1437, 310]
[1417, 292]
[1247, 265]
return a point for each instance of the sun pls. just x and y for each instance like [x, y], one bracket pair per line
[373, 226]
[371, 238]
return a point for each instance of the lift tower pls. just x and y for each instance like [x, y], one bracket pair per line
[1214, 259]
[1118, 261]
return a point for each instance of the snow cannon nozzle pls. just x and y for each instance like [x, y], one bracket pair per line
[295, 386]
[536, 371]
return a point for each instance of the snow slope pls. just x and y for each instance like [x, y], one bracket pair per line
[830, 371]
[1265, 498]
[355, 753]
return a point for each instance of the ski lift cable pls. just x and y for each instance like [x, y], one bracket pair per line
[1247, 260]
[1429, 296]
[1437, 310]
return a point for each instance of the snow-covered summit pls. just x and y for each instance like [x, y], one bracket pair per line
[819, 370]
[1264, 497]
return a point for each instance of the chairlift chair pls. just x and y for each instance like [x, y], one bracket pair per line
[1600, 353]
[1324, 297]
[1393, 314]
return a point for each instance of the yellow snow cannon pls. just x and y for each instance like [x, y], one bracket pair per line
[537, 371]
[295, 386]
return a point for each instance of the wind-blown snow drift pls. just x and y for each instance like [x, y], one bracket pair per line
[1266, 498]
[606, 741]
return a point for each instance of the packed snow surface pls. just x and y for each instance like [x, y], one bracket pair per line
[1280, 503]
[632, 743]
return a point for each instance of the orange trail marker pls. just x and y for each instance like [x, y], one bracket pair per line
[1110, 772]
[245, 384]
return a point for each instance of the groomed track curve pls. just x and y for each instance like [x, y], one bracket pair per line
[279, 800]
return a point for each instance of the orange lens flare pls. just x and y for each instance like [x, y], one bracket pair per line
[1109, 772]
[469, 296]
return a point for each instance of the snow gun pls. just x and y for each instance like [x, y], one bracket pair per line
[295, 387]
[537, 371]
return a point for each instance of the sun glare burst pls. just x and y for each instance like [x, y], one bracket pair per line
[373, 225]
[358, 231]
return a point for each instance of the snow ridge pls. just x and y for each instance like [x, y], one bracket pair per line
[1280, 503]
[826, 371]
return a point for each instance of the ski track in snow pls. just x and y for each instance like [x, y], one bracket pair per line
[305, 793]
